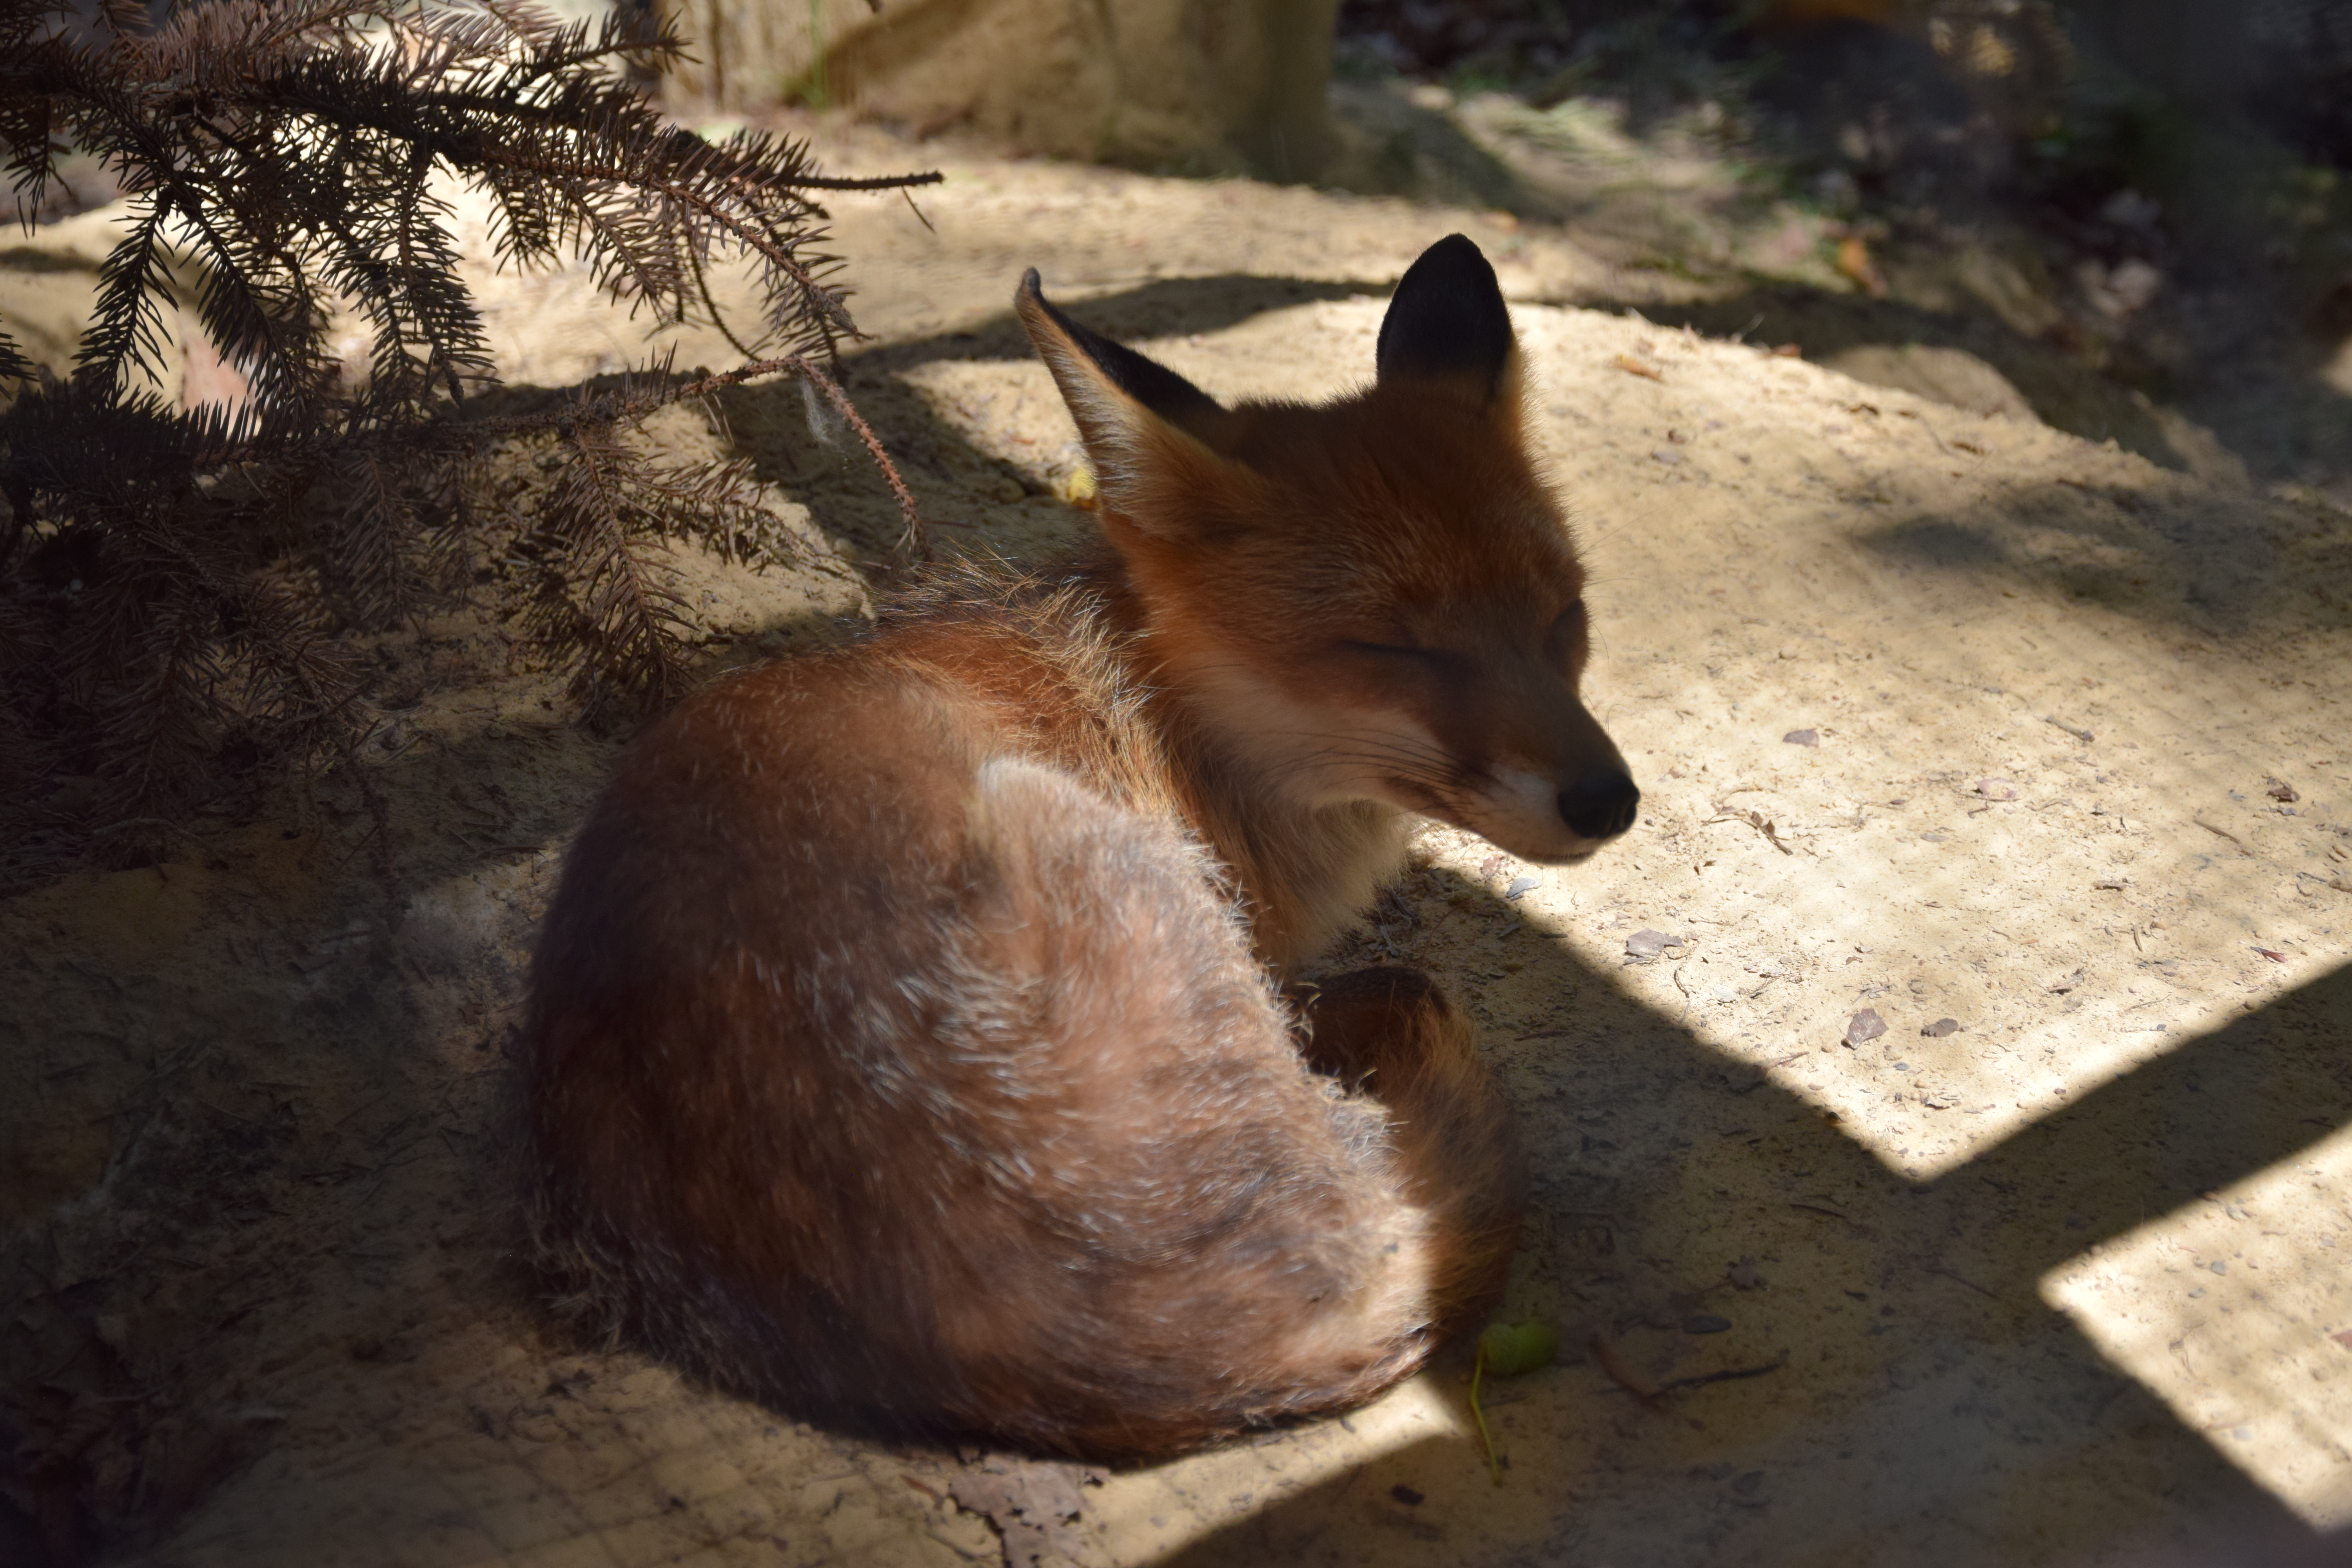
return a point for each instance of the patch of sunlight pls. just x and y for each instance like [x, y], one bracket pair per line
[2237, 1312]
[1779, 985]
[2338, 372]
[1153, 1513]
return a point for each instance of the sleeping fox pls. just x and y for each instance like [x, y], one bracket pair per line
[920, 1038]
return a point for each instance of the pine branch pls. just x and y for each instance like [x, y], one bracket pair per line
[913, 540]
[604, 596]
[172, 579]
[126, 329]
[156, 725]
[13, 365]
[301, 686]
[371, 545]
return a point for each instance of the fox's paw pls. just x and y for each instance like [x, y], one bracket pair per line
[1355, 1024]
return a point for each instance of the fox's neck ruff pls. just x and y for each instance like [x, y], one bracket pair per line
[1305, 869]
[1306, 872]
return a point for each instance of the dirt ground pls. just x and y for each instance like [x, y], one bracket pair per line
[1940, 1103]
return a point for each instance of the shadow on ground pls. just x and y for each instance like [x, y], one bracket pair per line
[1853, 333]
[1659, 1162]
[2182, 563]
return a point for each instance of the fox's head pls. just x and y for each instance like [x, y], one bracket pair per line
[1375, 598]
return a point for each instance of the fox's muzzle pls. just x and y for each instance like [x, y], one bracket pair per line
[1600, 804]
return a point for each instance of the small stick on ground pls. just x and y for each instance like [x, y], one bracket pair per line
[2222, 831]
[2075, 730]
[1726, 1376]
[1756, 820]
[1958, 1280]
[1859, 1228]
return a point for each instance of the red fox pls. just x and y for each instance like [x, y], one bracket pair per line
[917, 1039]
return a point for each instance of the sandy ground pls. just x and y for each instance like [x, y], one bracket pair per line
[1941, 717]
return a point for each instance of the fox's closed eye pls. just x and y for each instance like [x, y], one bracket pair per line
[1402, 652]
[1566, 638]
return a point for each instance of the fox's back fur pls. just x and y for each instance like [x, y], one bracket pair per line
[917, 1039]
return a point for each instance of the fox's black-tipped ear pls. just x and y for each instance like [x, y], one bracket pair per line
[1089, 367]
[1137, 416]
[1447, 322]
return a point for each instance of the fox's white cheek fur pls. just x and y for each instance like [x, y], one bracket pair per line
[1530, 798]
[1515, 810]
[1519, 811]
[1373, 741]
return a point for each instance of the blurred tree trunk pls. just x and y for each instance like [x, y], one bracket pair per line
[1189, 86]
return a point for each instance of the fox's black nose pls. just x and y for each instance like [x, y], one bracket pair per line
[1601, 806]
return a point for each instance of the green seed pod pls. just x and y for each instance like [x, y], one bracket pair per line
[1514, 1349]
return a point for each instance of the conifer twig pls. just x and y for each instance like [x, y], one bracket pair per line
[913, 538]
[176, 583]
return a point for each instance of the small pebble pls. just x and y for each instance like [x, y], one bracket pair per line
[1996, 789]
[1519, 886]
[1645, 945]
[1671, 459]
[1940, 1027]
[1803, 738]
[1865, 1026]
[1406, 1495]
